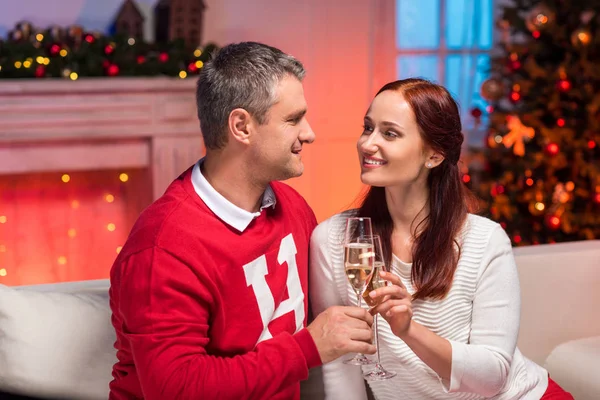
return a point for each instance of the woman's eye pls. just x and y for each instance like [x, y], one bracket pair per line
[367, 129]
[390, 135]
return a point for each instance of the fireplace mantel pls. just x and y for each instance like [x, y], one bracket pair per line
[50, 125]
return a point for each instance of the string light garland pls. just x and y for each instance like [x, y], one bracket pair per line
[72, 53]
[90, 213]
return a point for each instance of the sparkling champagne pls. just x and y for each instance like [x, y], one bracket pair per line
[376, 282]
[358, 258]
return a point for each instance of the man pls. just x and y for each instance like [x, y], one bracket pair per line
[209, 292]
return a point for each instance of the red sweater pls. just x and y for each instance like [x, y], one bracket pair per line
[203, 311]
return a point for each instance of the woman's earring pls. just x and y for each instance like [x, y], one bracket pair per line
[428, 165]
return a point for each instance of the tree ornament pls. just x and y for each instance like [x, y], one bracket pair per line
[492, 89]
[475, 112]
[517, 135]
[54, 50]
[112, 70]
[514, 97]
[561, 194]
[517, 238]
[563, 85]
[40, 71]
[514, 65]
[581, 37]
[552, 149]
[539, 18]
[192, 67]
[536, 208]
[553, 221]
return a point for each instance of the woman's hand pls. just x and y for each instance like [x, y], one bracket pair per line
[396, 304]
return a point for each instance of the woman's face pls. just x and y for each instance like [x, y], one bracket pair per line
[390, 149]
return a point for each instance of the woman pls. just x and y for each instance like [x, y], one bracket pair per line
[451, 315]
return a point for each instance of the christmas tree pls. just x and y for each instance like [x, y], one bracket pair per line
[541, 179]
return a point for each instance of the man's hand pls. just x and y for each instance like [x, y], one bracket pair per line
[341, 330]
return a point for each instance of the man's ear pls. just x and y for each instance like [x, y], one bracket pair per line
[240, 125]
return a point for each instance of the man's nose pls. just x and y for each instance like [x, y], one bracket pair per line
[307, 135]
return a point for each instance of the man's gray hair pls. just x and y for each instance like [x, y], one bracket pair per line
[242, 75]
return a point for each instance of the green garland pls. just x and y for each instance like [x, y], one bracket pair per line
[73, 53]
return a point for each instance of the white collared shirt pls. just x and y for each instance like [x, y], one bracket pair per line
[223, 208]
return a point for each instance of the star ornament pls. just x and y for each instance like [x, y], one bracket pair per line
[517, 134]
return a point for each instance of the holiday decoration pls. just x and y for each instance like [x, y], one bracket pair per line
[74, 53]
[92, 213]
[492, 89]
[553, 222]
[563, 85]
[476, 113]
[129, 20]
[517, 136]
[539, 17]
[581, 37]
[180, 19]
[541, 181]
[552, 149]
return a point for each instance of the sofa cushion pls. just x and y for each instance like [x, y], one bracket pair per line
[559, 282]
[575, 365]
[56, 341]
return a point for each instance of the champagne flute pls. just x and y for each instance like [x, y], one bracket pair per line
[378, 373]
[358, 262]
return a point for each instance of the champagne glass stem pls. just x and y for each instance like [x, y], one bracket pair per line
[377, 339]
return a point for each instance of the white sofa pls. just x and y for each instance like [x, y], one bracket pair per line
[57, 341]
[560, 313]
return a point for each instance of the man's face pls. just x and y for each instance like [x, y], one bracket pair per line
[278, 147]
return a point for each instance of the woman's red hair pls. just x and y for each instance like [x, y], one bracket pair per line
[435, 249]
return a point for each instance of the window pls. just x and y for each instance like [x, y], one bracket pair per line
[447, 41]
